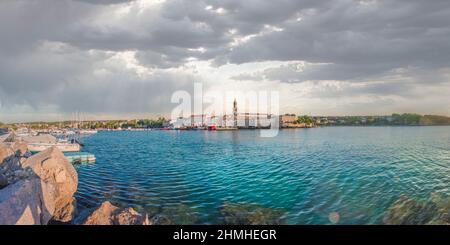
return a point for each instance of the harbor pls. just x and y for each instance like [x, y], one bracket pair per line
[67, 141]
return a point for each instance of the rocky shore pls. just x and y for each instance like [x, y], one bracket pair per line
[39, 190]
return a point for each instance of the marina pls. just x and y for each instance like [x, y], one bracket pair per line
[67, 141]
[42, 142]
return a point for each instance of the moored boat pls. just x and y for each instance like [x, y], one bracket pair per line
[42, 142]
[88, 131]
[64, 147]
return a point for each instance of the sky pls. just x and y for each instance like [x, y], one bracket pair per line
[111, 59]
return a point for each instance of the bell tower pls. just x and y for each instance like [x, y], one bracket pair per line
[235, 113]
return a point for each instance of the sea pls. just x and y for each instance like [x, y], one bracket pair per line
[327, 175]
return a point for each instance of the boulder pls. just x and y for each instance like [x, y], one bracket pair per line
[15, 173]
[129, 216]
[3, 181]
[103, 215]
[8, 159]
[6, 153]
[19, 147]
[66, 213]
[22, 203]
[59, 181]
[108, 214]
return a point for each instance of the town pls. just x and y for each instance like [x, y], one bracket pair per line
[234, 121]
[241, 121]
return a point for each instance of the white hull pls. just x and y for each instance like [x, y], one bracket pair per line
[64, 147]
[88, 131]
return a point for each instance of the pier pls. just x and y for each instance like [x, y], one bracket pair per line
[80, 157]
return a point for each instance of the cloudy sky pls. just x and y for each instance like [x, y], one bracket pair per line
[124, 59]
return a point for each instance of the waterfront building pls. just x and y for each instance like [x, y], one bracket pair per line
[235, 120]
[181, 122]
[227, 121]
[197, 120]
[235, 113]
[288, 120]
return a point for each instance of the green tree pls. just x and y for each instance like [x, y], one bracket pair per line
[406, 119]
[305, 119]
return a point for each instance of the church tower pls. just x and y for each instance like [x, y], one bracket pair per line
[235, 113]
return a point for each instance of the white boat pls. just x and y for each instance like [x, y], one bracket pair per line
[88, 131]
[45, 141]
[23, 132]
[69, 132]
[57, 132]
[64, 147]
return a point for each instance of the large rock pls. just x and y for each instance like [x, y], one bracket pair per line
[66, 213]
[8, 159]
[129, 216]
[10, 168]
[6, 153]
[23, 203]
[103, 215]
[108, 214]
[19, 147]
[59, 181]
[3, 181]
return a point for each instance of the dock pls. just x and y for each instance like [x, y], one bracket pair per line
[80, 157]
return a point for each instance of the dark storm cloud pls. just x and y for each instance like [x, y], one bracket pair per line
[105, 1]
[53, 52]
[24, 24]
[359, 38]
[77, 80]
[386, 34]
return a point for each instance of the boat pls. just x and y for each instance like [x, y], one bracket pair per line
[69, 132]
[44, 141]
[88, 131]
[23, 132]
[64, 147]
[56, 132]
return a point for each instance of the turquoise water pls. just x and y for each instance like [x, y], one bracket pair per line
[357, 172]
